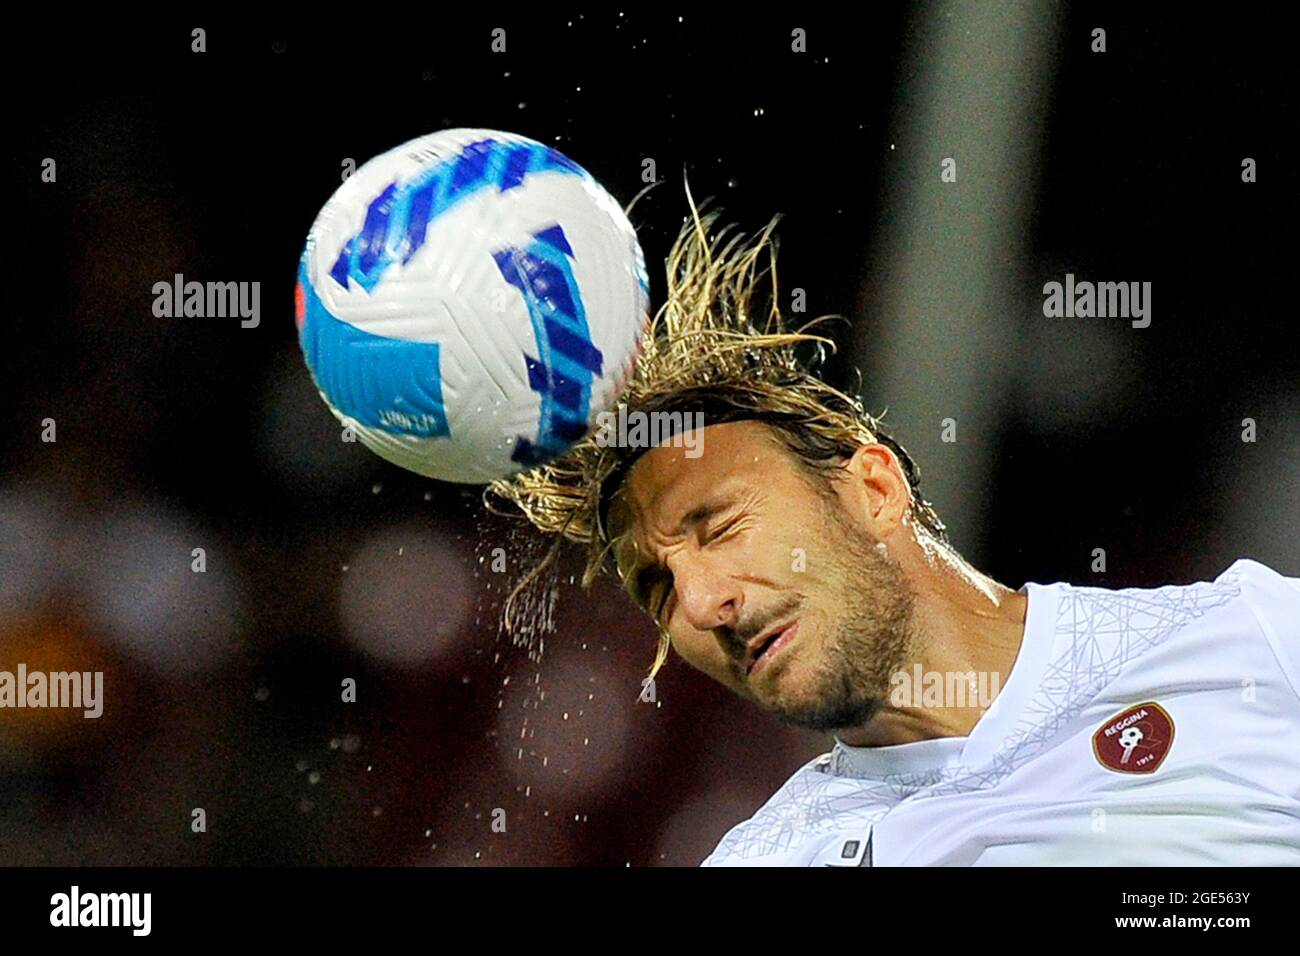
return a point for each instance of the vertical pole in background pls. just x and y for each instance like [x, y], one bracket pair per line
[945, 281]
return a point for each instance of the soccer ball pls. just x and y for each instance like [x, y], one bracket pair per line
[469, 302]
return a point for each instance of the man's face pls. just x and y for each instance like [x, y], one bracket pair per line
[764, 584]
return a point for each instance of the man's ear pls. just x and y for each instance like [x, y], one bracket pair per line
[878, 483]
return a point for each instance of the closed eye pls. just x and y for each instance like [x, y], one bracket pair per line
[652, 587]
[721, 530]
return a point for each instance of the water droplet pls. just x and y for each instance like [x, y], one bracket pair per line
[313, 777]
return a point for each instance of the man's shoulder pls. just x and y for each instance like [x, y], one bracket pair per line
[1118, 646]
[1174, 626]
[1273, 601]
[1228, 582]
[1256, 573]
[810, 810]
[1168, 608]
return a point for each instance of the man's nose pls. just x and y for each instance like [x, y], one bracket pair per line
[707, 597]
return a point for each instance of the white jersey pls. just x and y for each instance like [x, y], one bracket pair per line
[1137, 727]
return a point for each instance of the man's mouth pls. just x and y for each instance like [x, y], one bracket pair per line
[762, 649]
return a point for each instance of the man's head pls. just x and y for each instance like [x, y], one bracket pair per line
[771, 573]
[816, 485]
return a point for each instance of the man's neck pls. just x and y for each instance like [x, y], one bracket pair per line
[965, 625]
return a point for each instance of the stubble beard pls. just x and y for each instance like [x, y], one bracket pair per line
[871, 636]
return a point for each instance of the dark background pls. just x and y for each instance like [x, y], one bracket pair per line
[323, 562]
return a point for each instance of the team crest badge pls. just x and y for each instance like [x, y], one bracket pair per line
[1136, 740]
